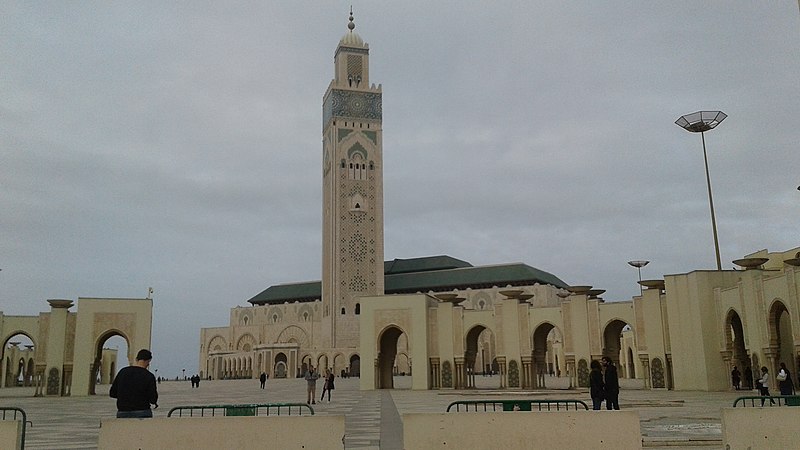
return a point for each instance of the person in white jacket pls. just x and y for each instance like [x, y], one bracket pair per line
[763, 386]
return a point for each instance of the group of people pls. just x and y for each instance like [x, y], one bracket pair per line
[764, 382]
[604, 384]
[311, 377]
[195, 379]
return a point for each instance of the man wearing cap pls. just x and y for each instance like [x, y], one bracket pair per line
[134, 387]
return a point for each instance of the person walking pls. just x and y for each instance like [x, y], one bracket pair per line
[263, 379]
[611, 383]
[134, 387]
[329, 376]
[596, 385]
[736, 377]
[311, 378]
[785, 384]
[763, 386]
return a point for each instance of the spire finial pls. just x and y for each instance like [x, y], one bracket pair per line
[351, 26]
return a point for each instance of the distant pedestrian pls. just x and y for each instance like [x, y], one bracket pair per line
[328, 386]
[763, 386]
[785, 383]
[596, 385]
[263, 379]
[134, 387]
[736, 378]
[311, 378]
[611, 383]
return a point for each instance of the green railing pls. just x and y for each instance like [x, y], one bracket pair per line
[772, 400]
[15, 414]
[518, 405]
[257, 409]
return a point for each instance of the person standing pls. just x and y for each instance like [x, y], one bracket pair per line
[611, 384]
[785, 383]
[263, 379]
[311, 378]
[329, 376]
[763, 386]
[596, 385]
[736, 377]
[134, 387]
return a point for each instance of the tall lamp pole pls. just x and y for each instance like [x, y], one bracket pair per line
[639, 264]
[700, 122]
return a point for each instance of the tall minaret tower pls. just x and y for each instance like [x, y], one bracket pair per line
[352, 191]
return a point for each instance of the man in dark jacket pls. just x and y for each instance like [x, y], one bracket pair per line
[134, 387]
[611, 383]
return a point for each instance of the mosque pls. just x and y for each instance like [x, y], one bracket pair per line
[443, 321]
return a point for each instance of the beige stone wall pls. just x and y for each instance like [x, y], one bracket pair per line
[242, 433]
[760, 428]
[552, 430]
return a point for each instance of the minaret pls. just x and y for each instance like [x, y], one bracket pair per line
[352, 191]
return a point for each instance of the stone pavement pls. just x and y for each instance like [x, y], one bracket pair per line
[669, 419]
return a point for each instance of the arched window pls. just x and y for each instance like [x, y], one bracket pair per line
[305, 316]
[343, 311]
[274, 318]
[358, 308]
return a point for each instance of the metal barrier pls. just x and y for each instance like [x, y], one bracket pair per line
[12, 411]
[257, 409]
[518, 405]
[771, 400]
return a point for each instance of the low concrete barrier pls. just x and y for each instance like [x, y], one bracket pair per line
[198, 433]
[518, 429]
[761, 428]
[10, 434]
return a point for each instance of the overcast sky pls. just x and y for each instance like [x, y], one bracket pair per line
[178, 145]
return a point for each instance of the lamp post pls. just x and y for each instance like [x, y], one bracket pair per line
[639, 264]
[184, 373]
[700, 122]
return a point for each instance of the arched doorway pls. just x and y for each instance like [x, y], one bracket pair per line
[781, 341]
[17, 356]
[547, 341]
[111, 352]
[734, 342]
[280, 368]
[478, 355]
[355, 366]
[612, 339]
[387, 352]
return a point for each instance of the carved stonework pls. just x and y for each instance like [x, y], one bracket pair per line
[398, 317]
[356, 105]
[513, 374]
[657, 373]
[53, 382]
[447, 375]
[124, 322]
[583, 373]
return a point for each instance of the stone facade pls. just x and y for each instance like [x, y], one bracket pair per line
[684, 332]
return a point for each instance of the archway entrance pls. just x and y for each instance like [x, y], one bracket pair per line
[18, 361]
[781, 341]
[547, 342]
[734, 345]
[478, 355]
[387, 352]
[355, 366]
[111, 353]
[612, 341]
[280, 369]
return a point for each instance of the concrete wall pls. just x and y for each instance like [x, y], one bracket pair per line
[761, 428]
[242, 433]
[551, 430]
[10, 434]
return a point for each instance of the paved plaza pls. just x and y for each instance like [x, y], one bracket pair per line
[669, 419]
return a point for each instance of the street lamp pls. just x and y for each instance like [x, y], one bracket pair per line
[184, 373]
[639, 264]
[700, 122]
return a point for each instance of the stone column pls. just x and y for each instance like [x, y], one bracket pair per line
[527, 373]
[459, 375]
[501, 362]
[56, 338]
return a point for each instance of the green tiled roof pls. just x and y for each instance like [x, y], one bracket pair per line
[435, 273]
